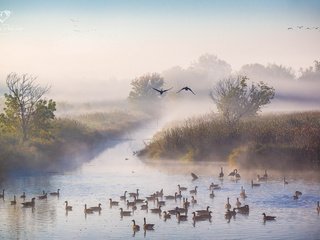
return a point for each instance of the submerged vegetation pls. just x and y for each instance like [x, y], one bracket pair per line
[273, 141]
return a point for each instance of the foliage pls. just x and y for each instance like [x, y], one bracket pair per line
[26, 113]
[142, 87]
[235, 99]
[292, 139]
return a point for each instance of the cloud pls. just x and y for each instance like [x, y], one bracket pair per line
[4, 15]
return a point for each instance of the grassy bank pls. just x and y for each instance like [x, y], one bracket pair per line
[274, 141]
[73, 140]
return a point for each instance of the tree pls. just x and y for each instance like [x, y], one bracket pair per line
[235, 99]
[142, 87]
[25, 112]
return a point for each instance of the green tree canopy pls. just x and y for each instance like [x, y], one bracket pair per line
[26, 113]
[142, 87]
[235, 99]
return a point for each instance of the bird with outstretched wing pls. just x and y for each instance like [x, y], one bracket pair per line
[186, 89]
[161, 91]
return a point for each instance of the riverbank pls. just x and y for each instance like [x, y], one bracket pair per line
[74, 140]
[273, 141]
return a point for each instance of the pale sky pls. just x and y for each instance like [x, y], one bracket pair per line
[95, 41]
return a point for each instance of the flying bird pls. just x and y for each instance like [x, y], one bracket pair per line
[161, 91]
[290, 28]
[299, 27]
[186, 89]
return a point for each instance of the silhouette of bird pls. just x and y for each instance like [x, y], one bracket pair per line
[268, 218]
[290, 28]
[186, 89]
[194, 176]
[161, 91]
[299, 27]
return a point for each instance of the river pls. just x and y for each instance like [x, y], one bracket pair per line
[116, 170]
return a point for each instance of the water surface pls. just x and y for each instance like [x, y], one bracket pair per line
[110, 174]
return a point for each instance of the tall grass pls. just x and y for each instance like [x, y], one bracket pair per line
[73, 140]
[270, 140]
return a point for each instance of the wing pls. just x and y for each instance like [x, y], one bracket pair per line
[167, 90]
[156, 90]
[180, 90]
[191, 91]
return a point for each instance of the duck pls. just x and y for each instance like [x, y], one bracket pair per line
[201, 217]
[14, 202]
[166, 215]
[213, 186]
[151, 197]
[156, 210]
[203, 212]
[182, 188]
[186, 203]
[55, 193]
[23, 195]
[159, 193]
[238, 203]
[68, 208]
[230, 214]
[135, 227]
[134, 194]
[2, 195]
[265, 175]
[244, 209]
[160, 203]
[145, 206]
[186, 88]
[96, 208]
[178, 195]
[194, 191]
[221, 174]
[318, 206]
[193, 200]
[138, 200]
[194, 176]
[268, 218]
[181, 217]
[44, 196]
[261, 179]
[161, 91]
[255, 184]
[124, 213]
[113, 203]
[131, 204]
[147, 226]
[228, 205]
[212, 194]
[298, 193]
[233, 173]
[182, 210]
[29, 204]
[284, 181]
[170, 197]
[87, 210]
[123, 197]
[173, 211]
[237, 175]
[243, 192]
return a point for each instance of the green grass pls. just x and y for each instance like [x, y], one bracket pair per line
[283, 140]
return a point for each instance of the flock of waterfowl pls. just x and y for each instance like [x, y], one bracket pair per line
[132, 202]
